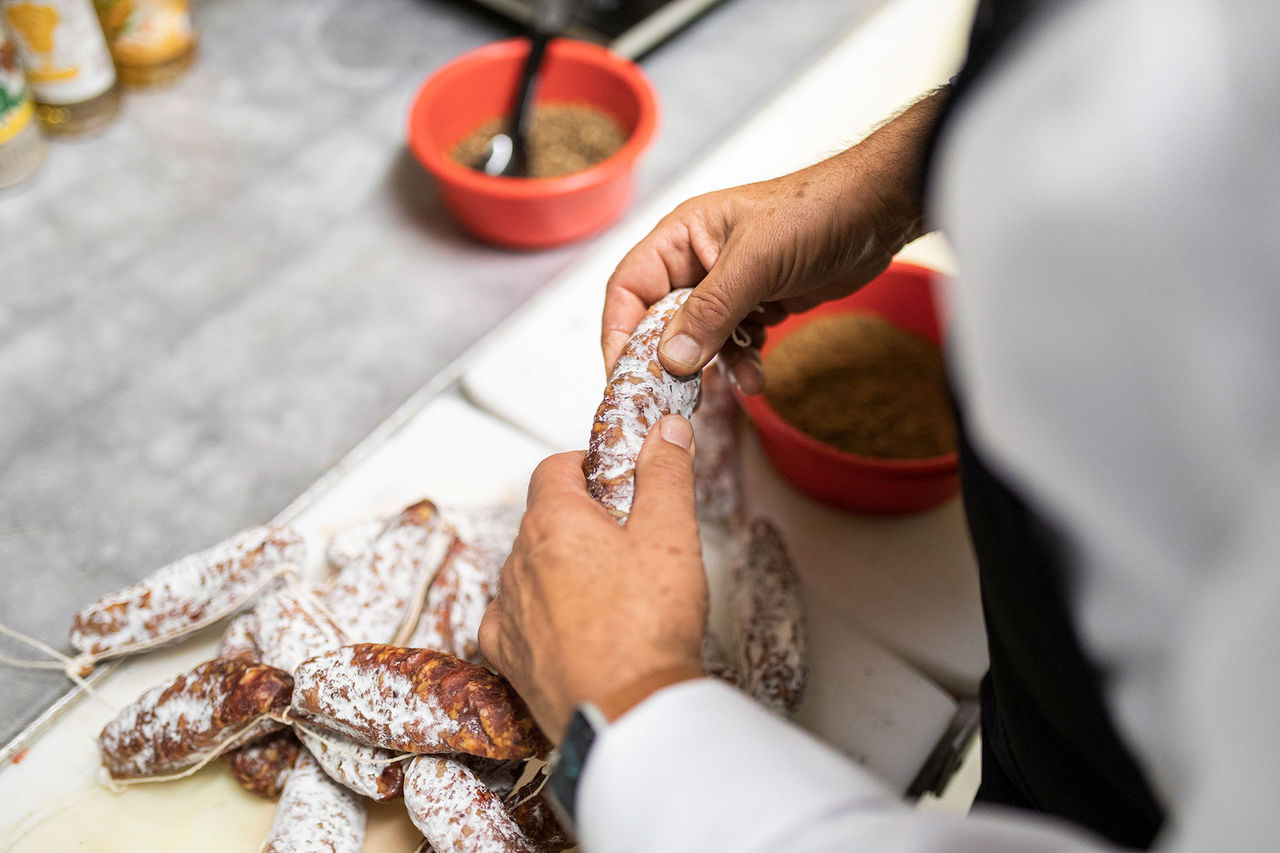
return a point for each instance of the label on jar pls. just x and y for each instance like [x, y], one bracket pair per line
[146, 32]
[63, 49]
[15, 101]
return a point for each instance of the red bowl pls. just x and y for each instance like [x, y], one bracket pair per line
[903, 295]
[530, 213]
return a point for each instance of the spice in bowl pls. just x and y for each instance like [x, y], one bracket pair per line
[563, 139]
[861, 384]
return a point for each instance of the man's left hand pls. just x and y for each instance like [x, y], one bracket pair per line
[589, 609]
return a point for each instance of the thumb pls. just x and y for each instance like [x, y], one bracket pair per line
[490, 633]
[707, 318]
[664, 498]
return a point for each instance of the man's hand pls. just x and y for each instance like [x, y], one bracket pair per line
[589, 609]
[761, 251]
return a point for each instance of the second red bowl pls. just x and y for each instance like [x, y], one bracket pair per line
[903, 295]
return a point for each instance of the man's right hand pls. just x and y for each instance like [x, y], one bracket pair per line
[761, 251]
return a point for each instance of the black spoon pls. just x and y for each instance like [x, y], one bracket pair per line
[506, 154]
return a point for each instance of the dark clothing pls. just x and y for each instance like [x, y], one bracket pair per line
[1049, 743]
[1048, 740]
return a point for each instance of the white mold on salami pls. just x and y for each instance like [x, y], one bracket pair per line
[415, 700]
[192, 718]
[240, 638]
[316, 815]
[768, 618]
[186, 595]
[371, 704]
[378, 597]
[716, 475]
[640, 393]
[363, 769]
[716, 664]
[292, 626]
[455, 811]
[489, 529]
[348, 544]
[456, 601]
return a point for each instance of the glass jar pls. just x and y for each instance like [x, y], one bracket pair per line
[72, 78]
[151, 41]
[22, 149]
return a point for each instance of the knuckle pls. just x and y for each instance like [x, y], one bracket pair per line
[668, 467]
[710, 311]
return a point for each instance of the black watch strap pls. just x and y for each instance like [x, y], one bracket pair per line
[569, 759]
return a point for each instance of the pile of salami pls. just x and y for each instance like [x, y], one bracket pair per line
[371, 685]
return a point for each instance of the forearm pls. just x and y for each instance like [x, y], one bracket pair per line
[885, 172]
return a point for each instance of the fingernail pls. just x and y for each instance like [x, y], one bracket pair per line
[683, 352]
[676, 430]
[748, 376]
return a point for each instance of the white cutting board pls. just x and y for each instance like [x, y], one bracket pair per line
[864, 699]
[908, 582]
[50, 798]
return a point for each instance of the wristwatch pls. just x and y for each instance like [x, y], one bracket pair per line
[568, 760]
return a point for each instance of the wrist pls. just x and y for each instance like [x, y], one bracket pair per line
[588, 719]
[618, 702]
[888, 164]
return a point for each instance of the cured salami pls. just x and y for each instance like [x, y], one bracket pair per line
[240, 638]
[490, 529]
[456, 812]
[190, 719]
[456, 602]
[768, 618]
[498, 776]
[416, 700]
[364, 769]
[378, 597]
[316, 815]
[716, 477]
[292, 626]
[262, 767]
[352, 542]
[532, 812]
[716, 664]
[185, 595]
[640, 392]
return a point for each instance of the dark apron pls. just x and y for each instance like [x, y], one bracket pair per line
[1048, 744]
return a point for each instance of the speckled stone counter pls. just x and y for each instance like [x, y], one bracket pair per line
[207, 305]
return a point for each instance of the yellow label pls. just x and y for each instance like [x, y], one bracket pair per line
[63, 49]
[36, 24]
[53, 75]
[12, 123]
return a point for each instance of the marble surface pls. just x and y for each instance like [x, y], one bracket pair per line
[207, 305]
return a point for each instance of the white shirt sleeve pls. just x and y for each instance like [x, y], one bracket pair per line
[699, 767]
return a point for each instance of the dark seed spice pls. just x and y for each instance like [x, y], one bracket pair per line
[563, 139]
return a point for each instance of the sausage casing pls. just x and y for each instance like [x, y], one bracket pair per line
[640, 392]
[415, 700]
[193, 717]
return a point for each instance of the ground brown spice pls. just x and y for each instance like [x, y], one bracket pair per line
[563, 139]
[861, 384]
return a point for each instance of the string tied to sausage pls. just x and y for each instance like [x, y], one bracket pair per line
[71, 667]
